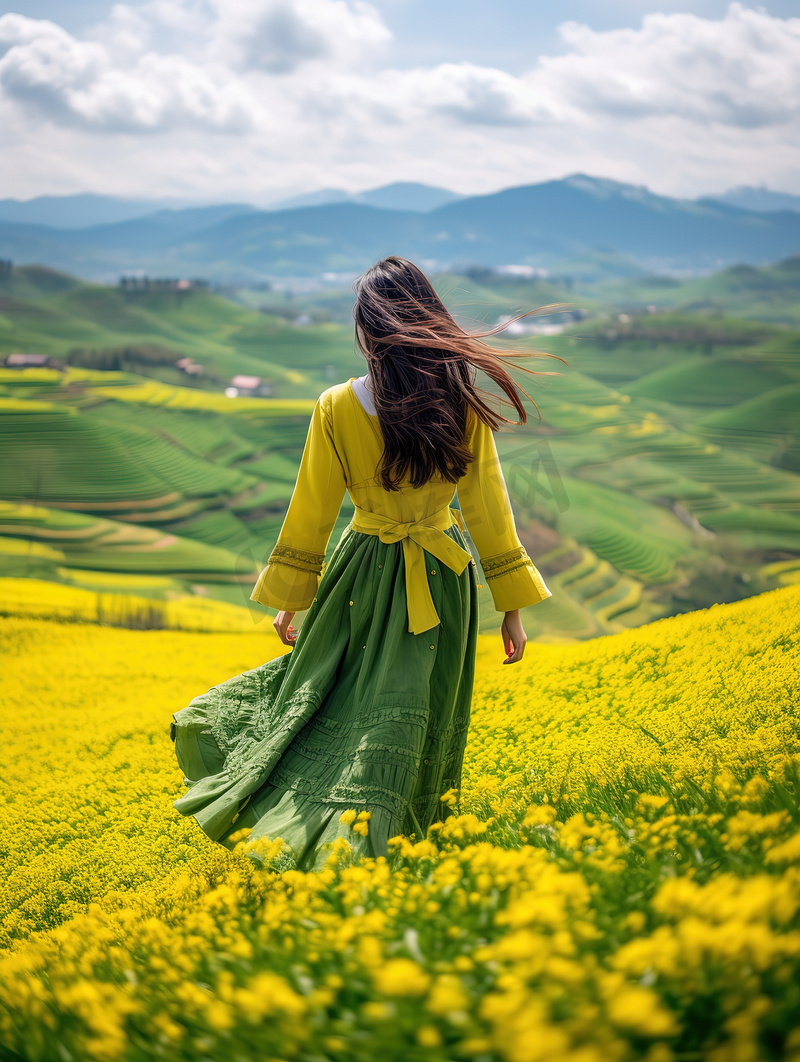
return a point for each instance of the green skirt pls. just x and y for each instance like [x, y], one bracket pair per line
[360, 714]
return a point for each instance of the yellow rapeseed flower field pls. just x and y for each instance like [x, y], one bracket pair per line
[619, 879]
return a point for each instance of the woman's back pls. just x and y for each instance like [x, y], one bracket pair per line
[356, 436]
[342, 453]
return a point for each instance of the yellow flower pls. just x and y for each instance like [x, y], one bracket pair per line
[219, 1015]
[240, 835]
[641, 1011]
[636, 921]
[541, 815]
[446, 996]
[401, 977]
[376, 1011]
[428, 1036]
[788, 852]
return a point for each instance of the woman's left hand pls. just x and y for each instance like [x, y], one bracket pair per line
[283, 626]
[514, 637]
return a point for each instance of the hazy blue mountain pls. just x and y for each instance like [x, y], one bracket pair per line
[407, 195]
[309, 240]
[81, 211]
[759, 199]
[160, 229]
[86, 210]
[402, 195]
[583, 213]
[99, 249]
[103, 252]
[554, 225]
[318, 198]
[538, 224]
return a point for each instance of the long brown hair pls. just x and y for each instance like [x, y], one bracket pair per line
[422, 368]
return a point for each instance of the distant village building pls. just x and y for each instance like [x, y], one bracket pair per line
[191, 368]
[527, 327]
[532, 326]
[303, 320]
[133, 283]
[32, 361]
[246, 383]
[526, 272]
[242, 386]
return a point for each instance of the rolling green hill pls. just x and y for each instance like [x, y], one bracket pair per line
[663, 477]
[769, 293]
[46, 312]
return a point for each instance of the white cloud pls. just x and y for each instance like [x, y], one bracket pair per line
[741, 71]
[126, 32]
[278, 36]
[473, 95]
[301, 93]
[78, 83]
[42, 64]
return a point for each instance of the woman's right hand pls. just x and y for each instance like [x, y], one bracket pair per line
[284, 629]
[514, 637]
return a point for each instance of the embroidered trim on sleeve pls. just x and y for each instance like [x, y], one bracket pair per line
[503, 563]
[300, 559]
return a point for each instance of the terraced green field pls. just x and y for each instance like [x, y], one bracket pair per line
[663, 477]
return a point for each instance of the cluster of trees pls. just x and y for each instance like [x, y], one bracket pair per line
[132, 358]
[703, 333]
[130, 284]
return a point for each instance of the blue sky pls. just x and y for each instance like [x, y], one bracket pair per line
[254, 99]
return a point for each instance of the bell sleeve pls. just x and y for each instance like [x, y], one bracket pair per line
[290, 579]
[512, 577]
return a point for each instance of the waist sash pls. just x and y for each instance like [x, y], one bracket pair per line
[426, 534]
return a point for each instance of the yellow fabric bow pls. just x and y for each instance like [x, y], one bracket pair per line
[426, 534]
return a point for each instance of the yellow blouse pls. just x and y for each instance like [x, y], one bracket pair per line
[342, 452]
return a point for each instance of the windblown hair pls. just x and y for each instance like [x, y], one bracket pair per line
[422, 368]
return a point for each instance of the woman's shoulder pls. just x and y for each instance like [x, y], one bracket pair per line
[472, 423]
[336, 400]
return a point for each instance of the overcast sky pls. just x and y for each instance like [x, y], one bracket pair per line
[250, 100]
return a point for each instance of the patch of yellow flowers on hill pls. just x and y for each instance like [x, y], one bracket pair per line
[43, 599]
[619, 878]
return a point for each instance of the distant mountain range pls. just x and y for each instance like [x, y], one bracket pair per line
[83, 211]
[578, 223]
[760, 199]
[402, 195]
